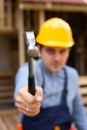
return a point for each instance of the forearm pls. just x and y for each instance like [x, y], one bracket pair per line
[21, 79]
[80, 116]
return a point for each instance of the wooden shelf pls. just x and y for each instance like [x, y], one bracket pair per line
[83, 80]
[83, 90]
[6, 74]
[9, 112]
[8, 32]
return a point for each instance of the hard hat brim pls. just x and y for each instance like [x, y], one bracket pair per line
[56, 44]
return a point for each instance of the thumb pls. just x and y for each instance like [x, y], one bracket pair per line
[39, 94]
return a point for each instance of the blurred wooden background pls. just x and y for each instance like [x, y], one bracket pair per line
[17, 16]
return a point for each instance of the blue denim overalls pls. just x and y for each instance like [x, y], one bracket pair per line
[50, 117]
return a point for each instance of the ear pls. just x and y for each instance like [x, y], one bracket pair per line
[39, 51]
[69, 49]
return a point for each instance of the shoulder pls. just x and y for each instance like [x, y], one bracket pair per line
[72, 72]
[37, 64]
[24, 67]
[22, 70]
[73, 79]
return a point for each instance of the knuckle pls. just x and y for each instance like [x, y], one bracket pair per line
[17, 99]
[38, 111]
[20, 92]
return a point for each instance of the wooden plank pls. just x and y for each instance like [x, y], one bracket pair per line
[41, 17]
[85, 100]
[83, 90]
[27, 20]
[6, 74]
[8, 112]
[2, 124]
[10, 100]
[35, 20]
[6, 94]
[1, 13]
[6, 88]
[9, 122]
[83, 80]
[21, 39]
[6, 82]
[9, 13]
[53, 7]
[57, 1]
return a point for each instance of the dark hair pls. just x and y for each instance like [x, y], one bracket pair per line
[38, 44]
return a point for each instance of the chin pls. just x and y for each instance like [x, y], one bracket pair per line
[54, 69]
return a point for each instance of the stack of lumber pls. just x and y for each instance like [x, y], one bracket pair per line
[6, 92]
[83, 90]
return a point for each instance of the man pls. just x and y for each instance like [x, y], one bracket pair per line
[57, 101]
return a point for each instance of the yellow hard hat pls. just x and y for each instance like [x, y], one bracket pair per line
[55, 32]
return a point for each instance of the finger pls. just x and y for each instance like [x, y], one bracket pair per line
[33, 107]
[39, 94]
[19, 99]
[30, 112]
[26, 96]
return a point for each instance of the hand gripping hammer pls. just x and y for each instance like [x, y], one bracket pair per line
[32, 52]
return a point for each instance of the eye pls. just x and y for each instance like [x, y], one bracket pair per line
[50, 51]
[63, 51]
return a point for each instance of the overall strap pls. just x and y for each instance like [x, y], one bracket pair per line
[65, 91]
[42, 72]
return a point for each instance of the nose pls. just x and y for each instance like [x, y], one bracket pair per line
[57, 56]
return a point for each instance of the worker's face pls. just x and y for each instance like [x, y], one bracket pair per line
[54, 58]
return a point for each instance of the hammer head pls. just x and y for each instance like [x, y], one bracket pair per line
[32, 50]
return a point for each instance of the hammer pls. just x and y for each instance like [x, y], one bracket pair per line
[32, 52]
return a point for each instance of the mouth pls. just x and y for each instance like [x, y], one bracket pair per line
[56, 65]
